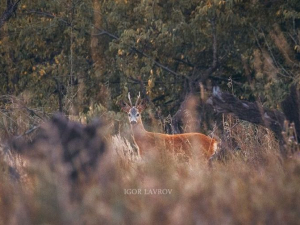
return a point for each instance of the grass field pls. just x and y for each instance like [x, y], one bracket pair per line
[252, 184]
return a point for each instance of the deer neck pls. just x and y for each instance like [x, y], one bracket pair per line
[138, 129]
[139, 134]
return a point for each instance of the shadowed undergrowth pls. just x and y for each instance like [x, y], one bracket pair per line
[42, 184]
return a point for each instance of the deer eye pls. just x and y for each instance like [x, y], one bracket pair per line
[137, 114]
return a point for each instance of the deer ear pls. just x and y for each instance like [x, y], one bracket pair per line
[142, 105]
[124, 106]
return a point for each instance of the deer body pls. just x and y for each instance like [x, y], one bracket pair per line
[153, 143]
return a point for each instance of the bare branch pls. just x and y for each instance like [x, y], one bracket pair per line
[156, 63]
[104, 32]
[225, 79]
[49, 15]
[27, 132]
[32, 112]
[200, 75]
[142, 87]
[204, 76]
[159, 64]
[11, 8]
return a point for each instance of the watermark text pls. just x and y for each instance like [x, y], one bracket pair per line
[147, 191]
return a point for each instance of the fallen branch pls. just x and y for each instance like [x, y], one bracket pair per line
[252, 112]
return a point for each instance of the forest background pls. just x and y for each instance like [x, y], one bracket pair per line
[74, 56]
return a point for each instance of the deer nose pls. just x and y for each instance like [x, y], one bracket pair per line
[133, 122]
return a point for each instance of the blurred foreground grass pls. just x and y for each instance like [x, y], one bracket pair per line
[251, 185]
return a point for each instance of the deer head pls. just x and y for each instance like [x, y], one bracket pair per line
[134, 112]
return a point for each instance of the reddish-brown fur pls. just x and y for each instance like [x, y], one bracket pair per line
[190, 144]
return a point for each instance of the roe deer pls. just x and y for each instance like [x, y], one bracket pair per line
[151, 143]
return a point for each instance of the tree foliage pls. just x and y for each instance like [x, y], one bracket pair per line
[70, 54]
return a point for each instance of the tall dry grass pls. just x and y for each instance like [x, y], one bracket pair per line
[251, 184]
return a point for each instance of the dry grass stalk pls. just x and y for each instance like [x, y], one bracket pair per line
[254, 185]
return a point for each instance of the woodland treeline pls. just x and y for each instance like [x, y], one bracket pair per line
[71, 55]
